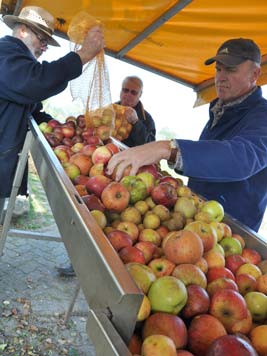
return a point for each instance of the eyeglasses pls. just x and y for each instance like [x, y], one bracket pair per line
[42, 40]
[133, 92]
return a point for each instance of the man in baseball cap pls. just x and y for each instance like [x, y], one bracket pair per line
[236, 51]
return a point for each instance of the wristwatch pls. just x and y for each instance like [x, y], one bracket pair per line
[174, 150]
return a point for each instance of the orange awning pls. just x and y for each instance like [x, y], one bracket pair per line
[170, 38]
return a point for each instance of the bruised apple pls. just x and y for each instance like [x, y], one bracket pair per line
[119, 239]
[115, 197]
[142, 275]
[165, 194]
[183, 247]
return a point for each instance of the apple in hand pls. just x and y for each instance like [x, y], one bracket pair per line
[202, 331]
[142, 275]
[214, 209]
[235, 345]
[166, 324]
[229, 307]
[167, 294]
[198, 301]
[151, 168]
[158, 345]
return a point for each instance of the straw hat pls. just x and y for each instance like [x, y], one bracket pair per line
[38, 18]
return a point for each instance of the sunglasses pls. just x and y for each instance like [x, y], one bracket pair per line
[133, 92]
[42, 40]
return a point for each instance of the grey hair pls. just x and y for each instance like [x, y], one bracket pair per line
[135, 79]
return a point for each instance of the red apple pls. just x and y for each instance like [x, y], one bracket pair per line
[229, 307]
[68, 131]
[101, 155]
[81, 179]
[112, 148]
[202, 331]
[147, 248]
[94, 140]
[161, 266]
[183, 247]
[53, 123]
[88, 149]
[218, 272]
[171, 180]
[189, 273]
[80, 120]
[81, 189]
[198, 301]
[251, 255]
[164, 194]
[132, 254]
[96, 184]
[129, 227]
[67, 141]
[233, 262]
[205, 231]
[52, 139]
[135, 345]
[93, 202]
[119, 239]
[151, 168]
[231, 345]
[166, 324]
[82, 161]
[77, 139]
[221, 283]
[246, 283]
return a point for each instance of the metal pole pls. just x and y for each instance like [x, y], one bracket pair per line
[23, 158]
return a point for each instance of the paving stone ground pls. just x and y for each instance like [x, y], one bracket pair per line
[34, 298]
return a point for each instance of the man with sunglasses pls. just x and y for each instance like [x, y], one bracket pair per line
[229, 161]
[25, 82]
[143, 129]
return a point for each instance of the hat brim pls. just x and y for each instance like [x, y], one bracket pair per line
[226, 60]
[11, 20]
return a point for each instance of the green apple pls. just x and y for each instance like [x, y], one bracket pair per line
[142, 275]
[186, 206]
[148, 179]
[257, 305]
[214, 209]
[167, 294]
[231, 246]
[136, 187]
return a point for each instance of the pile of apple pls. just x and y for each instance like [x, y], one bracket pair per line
[94, 128]
[205, 292]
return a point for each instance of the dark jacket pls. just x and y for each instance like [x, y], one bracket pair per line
[23, 83]
[144, 130]
[229, 162]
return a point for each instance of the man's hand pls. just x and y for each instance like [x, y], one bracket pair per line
[137, 157]
[93, 43]
[131, 115]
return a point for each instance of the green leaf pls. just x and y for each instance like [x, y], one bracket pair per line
[2, 347]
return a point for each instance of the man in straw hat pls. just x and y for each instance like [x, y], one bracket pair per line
[25, 82]
[229, 162]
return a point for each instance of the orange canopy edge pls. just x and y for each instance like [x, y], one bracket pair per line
[167, 37]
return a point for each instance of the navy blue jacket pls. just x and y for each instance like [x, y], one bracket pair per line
[229, 162]
[144, 130]
[24, 82]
